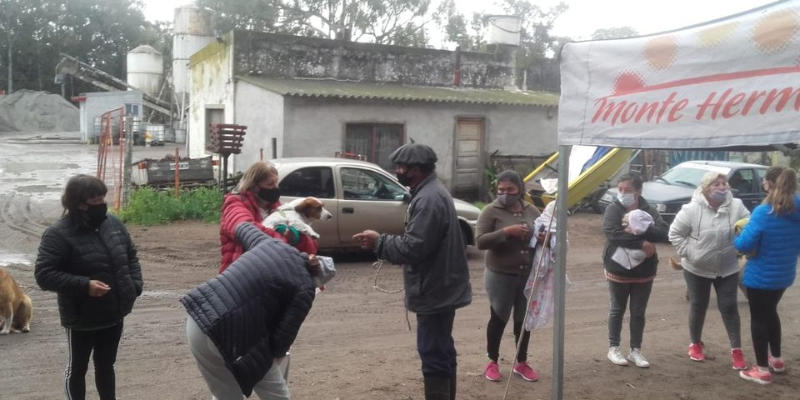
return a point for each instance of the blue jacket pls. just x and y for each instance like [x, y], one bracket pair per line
[776, 242]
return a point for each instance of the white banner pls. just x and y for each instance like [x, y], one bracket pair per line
[731, 82]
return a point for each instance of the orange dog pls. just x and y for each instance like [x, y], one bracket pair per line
[16, 308]
[299, 213]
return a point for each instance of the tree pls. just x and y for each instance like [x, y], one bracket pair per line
[614, 33]
[398, 22]
[97, 32]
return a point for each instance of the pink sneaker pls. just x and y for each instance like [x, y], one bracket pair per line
[757, 375]
[737, 359]
[492, 372]
[526, 372]
[696, 352]
[776, 364]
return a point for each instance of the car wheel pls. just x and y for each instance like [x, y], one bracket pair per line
[466, 234]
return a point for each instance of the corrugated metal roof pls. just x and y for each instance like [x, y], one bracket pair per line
[328, 88]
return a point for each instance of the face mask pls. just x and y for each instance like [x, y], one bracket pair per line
[94, 215]
[506, 200]
[269, 195]
[719, 196]
[404, 179]
[627, 199]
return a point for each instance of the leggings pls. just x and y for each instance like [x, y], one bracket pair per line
[765, 324]
[102, 345]
[506, 297]
[699, 293]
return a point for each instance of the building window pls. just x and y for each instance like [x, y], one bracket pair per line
[375, 141]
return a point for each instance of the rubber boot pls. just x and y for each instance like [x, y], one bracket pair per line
[437, 388]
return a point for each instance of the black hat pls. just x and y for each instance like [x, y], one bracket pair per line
[413, 153]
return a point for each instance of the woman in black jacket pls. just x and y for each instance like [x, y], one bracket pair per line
[242, 322]
[88, 258]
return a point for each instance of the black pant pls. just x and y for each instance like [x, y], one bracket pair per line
[435, 344]
[102, 345]
[765, 324]
[494, 333]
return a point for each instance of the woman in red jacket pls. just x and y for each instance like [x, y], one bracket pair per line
[256, 196]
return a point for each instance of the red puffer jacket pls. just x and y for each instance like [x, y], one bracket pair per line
[237, 208]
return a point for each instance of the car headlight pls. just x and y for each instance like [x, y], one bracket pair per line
[660, 207]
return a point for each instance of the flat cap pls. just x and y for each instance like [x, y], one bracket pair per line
[413, 153]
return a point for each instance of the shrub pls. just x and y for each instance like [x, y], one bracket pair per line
[148, 206]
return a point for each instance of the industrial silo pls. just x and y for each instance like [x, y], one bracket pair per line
[191, 32]
[145, 69]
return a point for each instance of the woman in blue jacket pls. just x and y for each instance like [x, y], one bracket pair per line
[772, 234]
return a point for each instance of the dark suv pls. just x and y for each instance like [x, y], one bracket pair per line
[674, 188]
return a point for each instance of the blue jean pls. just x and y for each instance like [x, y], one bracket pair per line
[435, 343]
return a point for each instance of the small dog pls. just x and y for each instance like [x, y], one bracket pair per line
[299, 213]
[16, 308]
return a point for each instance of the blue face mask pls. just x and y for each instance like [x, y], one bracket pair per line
[627, 199]
[719, 196]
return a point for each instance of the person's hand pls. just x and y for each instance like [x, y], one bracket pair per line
[519, 231]
[313, 265]
[98, 288]
[649, 249]
[541, 235]
[367, 239]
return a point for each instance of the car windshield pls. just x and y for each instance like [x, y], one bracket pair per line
[686, 176]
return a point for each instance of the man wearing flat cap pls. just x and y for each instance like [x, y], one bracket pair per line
[435, 271]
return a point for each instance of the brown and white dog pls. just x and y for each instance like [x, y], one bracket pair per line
[299, 213]
[16, 308]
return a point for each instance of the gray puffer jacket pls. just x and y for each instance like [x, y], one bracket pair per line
[431, 251]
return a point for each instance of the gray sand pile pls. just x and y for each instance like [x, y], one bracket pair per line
[31, 111]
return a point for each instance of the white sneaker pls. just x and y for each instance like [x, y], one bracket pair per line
[636, 357]
[615, 356]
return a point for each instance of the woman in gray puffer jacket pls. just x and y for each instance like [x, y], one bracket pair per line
[702, 234]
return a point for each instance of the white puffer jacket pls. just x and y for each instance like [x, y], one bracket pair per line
[703, 237]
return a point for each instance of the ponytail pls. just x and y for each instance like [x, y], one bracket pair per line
[782, 196]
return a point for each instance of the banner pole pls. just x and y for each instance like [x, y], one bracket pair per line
[557, 391]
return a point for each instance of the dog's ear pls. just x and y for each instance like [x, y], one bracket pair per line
[303, 205]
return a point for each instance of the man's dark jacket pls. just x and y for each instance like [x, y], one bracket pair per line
[253, 310]
[71, 254]
[436, 275]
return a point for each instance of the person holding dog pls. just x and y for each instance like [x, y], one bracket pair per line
[772, 234]
[702, 233]
[629, 283]
[256, 197]
[504, 230]
[89, 259]
[242, 322]
[435, 270]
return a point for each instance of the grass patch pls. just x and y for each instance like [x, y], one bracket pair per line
[479, 204]
[148, 206]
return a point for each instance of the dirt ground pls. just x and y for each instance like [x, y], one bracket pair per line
[355, 343]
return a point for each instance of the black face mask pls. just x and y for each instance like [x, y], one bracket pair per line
[269, 195]
[94, 215]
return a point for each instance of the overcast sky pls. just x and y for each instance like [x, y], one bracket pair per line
[583, 16]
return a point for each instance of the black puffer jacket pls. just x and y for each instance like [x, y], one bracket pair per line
[253, 311]
[617, 237]
[70, 254]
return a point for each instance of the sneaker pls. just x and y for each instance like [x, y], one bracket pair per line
[757, 375]
[637, 358]
[737, 359]
[696, 352]
[776, 364]
[526, 372]
[615, 356]
[492, 372]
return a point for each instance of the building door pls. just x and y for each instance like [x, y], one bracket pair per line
[468, 170]
[213, 116]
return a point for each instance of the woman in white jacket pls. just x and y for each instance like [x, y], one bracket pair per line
[702, 234]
